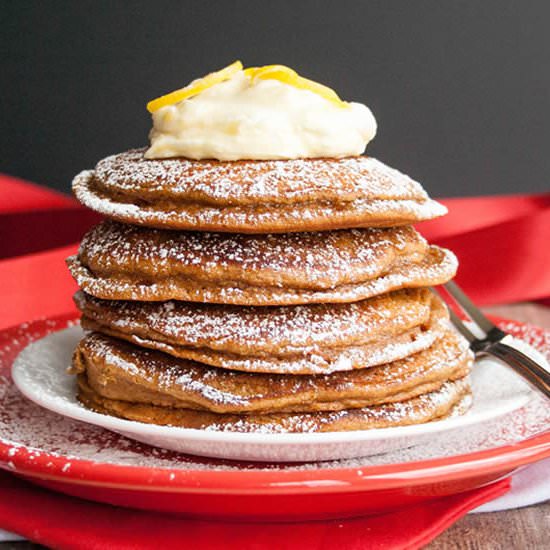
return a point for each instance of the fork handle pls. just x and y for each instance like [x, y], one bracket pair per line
[532, 371]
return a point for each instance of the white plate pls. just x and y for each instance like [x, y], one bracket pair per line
[40, 374]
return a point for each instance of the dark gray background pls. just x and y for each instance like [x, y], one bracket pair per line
[461, 90]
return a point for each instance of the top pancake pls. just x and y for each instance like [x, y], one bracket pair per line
[253, 196]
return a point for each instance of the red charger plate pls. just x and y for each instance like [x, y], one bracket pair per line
[252, 492]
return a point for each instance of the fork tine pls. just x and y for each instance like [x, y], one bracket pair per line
[465, 303]
[461, 327]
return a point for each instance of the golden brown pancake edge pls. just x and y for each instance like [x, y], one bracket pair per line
[253, 196]
[130, 263]
[121, 371]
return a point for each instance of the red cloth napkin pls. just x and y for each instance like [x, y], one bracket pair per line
[17, 195]
[65, 522]
[37, 285]
[502, 243]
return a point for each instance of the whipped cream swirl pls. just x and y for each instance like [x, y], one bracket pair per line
[246, 118]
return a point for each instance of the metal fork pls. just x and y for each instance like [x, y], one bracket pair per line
[497, 343]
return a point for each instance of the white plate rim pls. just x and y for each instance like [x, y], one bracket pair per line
[76, 411]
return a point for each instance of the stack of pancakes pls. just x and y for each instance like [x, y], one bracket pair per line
[272, 296]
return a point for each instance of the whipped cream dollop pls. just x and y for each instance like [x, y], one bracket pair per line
[247, 118]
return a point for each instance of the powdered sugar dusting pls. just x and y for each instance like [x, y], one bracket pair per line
[196, 384]
[439, 269]
[256, 197]
[306, 260]
[146, 367]
[129, 263]
[281, 330]
[25, 426]
[315, 362]
[302, 339]
[254, 181]
[411, 411]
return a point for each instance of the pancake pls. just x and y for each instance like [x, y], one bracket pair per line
[451, 399]
[124, 262]
[310, 339]
[121, 371]
[253, 196]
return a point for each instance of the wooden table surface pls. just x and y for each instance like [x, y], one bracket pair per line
[523, 529]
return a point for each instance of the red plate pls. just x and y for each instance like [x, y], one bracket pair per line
[90, 462]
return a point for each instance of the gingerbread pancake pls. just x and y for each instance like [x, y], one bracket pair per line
[310, 339]
[253, 196]
[118, 371]
[124, 262]
[452, 399]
